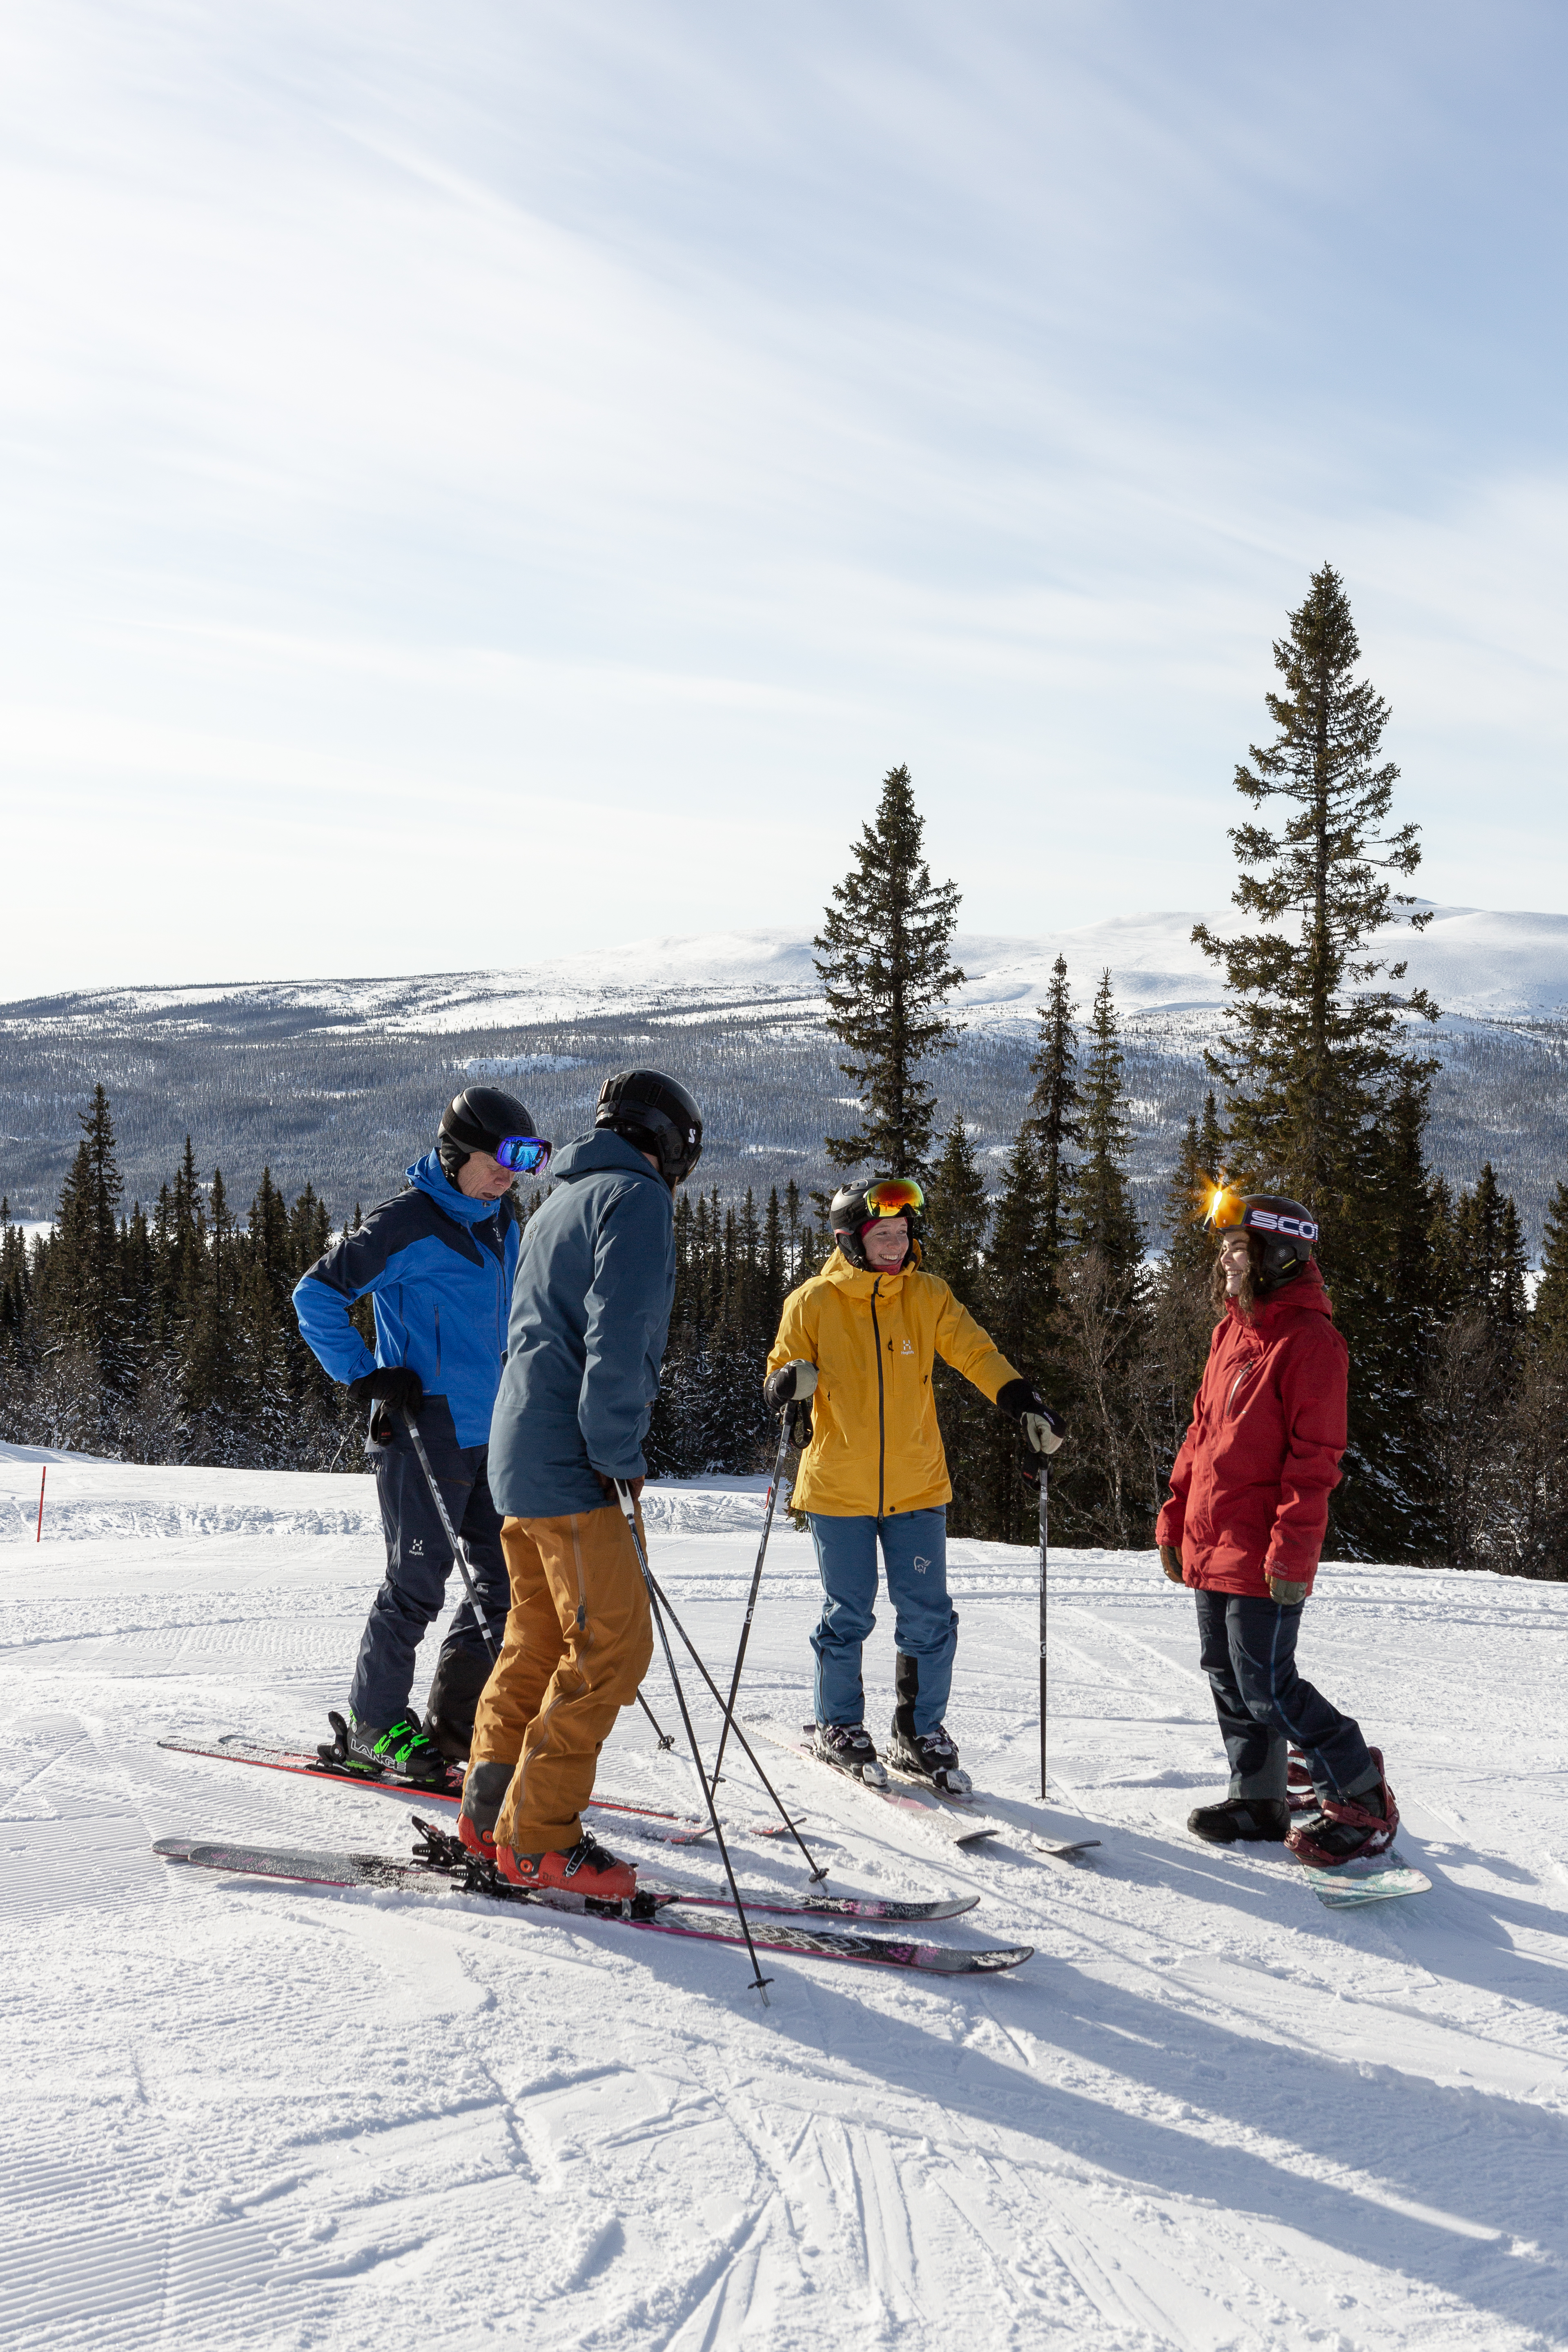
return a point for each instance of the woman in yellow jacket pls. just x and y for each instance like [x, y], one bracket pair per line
[860, 1339]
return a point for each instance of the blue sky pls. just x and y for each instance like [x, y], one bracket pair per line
[501, 478]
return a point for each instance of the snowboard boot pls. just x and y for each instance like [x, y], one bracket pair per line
[929, 1756]
[1299, 1793]
[484, 1794]
[1242, 1820]
[460, 1676]
[848, 1748]
[586, 1869]
[401, 1752]
[1347, 1829]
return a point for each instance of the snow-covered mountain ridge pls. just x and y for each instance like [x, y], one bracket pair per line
[1479, 963]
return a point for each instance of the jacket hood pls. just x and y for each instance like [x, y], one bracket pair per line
[1304, 1295]
[860, 1281]
[427, 1175]
[591, 1154]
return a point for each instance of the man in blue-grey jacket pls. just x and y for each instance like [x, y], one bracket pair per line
[589, 1314]
[438, 1262]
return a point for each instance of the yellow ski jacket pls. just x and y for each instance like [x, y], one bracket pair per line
[876, 1448]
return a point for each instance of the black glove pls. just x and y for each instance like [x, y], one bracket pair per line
[789, 1384]
[392, 1384]
[1043, 1428]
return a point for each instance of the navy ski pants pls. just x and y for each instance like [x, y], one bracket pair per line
[419, 1558]
[925, 1622]
[1248, 1652]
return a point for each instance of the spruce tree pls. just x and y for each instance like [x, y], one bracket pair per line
[1055, 1106]
[957, 1218]
[886, 970]
[1103, 1217]
[1315, 1059]
[1318, 1050]
[1549, 1317]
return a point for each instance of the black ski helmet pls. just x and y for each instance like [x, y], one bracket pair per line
[1284, 1230]
[657, 1115]
[477, 1120]
[857, 1206]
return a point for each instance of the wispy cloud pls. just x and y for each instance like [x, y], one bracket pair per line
[484, 443]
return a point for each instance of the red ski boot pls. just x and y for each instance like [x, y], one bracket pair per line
[1347, 1829]
[585, 1869]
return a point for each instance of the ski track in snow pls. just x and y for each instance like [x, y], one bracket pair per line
[1208, 2114]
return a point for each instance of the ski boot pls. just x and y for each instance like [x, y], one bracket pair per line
[484, 1793]
[929, 1756]
[1242, 1820]
[1299, 1793]
[925, 1756]
[401, 1752]
[460, 1678]
[848, 1748]
[1347, 1829]
[585, 1869]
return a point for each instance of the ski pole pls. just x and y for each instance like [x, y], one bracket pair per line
[458, 1554]
[629, 1511]
[817, 1874]
[787, 1421]
[664, 1739]
[1045, 1547]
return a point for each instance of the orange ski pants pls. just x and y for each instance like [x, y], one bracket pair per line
[578, 1642]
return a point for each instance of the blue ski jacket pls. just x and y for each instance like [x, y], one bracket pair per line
[590, 1315]
[439, 1268]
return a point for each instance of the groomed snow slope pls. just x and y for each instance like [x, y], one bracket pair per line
[1208, 2113]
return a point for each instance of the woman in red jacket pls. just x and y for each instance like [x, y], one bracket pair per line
[1248, 1508]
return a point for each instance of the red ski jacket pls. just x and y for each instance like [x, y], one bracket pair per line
[1249, 1491]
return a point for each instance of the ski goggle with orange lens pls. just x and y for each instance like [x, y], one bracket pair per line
[1226, 1210]
[525, 1155]
[895, 1196]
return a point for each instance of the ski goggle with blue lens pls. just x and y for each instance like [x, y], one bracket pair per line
[525, 1155]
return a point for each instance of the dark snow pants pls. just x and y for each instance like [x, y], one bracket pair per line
[419, 1558]
[1248, 1652]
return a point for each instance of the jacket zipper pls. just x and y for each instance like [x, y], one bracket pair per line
[437, 1339]
[1244, 1374]
[882, 1414]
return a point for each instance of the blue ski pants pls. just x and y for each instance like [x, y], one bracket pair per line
[925, 1622]
[1248, 1652]
[419, 1558]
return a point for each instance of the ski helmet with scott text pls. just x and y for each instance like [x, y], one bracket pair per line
[658, 1115]
[1284, 1230]
[856, 1206]
[480, 1119]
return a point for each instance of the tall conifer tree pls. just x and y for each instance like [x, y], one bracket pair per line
[884, 956]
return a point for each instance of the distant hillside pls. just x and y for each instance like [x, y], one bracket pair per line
[341, 1080]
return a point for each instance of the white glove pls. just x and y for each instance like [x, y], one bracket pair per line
[1040, 1435]
[790, 1384]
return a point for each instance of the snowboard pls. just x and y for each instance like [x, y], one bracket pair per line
[770, 1933]
[1353, 1887]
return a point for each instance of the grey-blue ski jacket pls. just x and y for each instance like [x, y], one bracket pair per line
[590, 1315]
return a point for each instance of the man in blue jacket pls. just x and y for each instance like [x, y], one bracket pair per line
[589, 1314]
[438, 1262]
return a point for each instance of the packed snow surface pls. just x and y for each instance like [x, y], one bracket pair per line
[1208, 2113]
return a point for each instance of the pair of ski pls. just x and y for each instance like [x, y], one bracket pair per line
[639, 1821]
[937, 1809]
[440, 1860]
